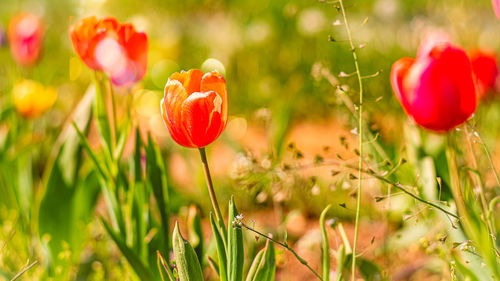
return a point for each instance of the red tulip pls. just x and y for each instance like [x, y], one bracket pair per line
[194, 107]
[117, 49]
[485, 69]
[25, 33]
[436, 89]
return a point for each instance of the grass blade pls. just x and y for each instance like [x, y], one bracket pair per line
[221, 249]
[325, 247]
[235, 246]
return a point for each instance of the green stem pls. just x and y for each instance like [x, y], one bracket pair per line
[456, 188]
[113, 113]
[381, 178]
[210, 186]
[487, 152]
[360, 133]
[479, 182]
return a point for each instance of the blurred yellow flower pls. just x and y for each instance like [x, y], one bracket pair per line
[32, 99]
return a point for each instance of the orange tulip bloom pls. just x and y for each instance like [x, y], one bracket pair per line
[115, 48]
[194, 107]
[86, 33]
[25, 34]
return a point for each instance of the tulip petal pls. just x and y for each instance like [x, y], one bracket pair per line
[135, 45]
[485, 68]
[214, 81]
[189, 79]
[175, 94]
[398, 72]
[201, 117]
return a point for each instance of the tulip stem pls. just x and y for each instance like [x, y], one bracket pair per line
[476, 177]
[113, 113]
[210, 186]
[360, 134]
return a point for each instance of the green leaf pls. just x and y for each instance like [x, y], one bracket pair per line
[161, 263]
[195, 232]
[340, 261]
[255, 265]
[91, 152]
[188, 266]
[325, 247]
[54, 217]
[368, 269]
[213, 265]
[122, 140]
[68, 198]
[156, 178]
[235, 256]
[103, 124]
[428, 178]
[139, 267]
[267, 266]
[221, 249]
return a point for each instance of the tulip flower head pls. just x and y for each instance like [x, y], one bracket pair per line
[485, 69]
[107, 45]
[25, 33]
[194, 107]
[436, 89]
[32, 99]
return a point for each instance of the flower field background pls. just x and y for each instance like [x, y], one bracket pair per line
[249, 140]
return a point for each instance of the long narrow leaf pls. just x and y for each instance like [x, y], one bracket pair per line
[90, 152]
[221, 249]
[325, 247]
[136, 263]
[267, 266]
[102, 116]
[255, 265]
[155, 173]
[235, 246]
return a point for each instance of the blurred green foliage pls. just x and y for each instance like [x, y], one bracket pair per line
[268, 51]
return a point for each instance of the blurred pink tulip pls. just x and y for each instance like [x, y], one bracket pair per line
[496, 7]
[25, 34]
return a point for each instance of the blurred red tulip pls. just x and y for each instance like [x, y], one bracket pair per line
[117, 49]
[485, 69]
[436, 89]
[25, 33]
[194, 107]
